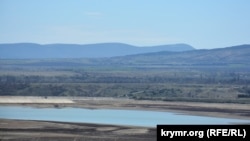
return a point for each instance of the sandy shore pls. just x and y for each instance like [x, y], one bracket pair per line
[226, 110]
[24, 130]
[33, 99]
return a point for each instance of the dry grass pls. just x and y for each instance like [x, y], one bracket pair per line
[16, 130]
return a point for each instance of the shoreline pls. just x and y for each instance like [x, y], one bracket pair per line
[30, 130]
[225, 110]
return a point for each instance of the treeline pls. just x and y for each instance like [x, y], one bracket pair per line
[150, 91]
[180, 78]
[153, 83]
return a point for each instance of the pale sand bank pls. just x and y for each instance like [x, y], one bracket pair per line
[33, 99]
[227, 110]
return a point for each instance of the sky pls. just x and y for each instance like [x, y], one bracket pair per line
[203, 24]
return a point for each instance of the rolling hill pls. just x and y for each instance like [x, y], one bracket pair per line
[37, 51]
[236, 55]
[107, 54]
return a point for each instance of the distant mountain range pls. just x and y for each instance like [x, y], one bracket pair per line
[124, 54]
[229, 55]
[37, 51]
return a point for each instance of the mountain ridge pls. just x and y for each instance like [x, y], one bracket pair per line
[235, 54]
[98, 50]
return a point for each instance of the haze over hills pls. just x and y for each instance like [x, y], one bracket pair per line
[35, 51]
[236, 55]
[123, 54]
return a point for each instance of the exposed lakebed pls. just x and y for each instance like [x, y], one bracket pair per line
[110, 116]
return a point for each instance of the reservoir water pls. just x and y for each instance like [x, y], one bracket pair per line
[110, 116]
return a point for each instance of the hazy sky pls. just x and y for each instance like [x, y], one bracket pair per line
[200, 23]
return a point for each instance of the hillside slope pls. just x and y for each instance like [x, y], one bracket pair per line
[236, 54]
[37, 51]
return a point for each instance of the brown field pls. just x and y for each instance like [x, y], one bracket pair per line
[22, 130]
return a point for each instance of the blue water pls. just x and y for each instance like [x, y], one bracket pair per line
[109, 116]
